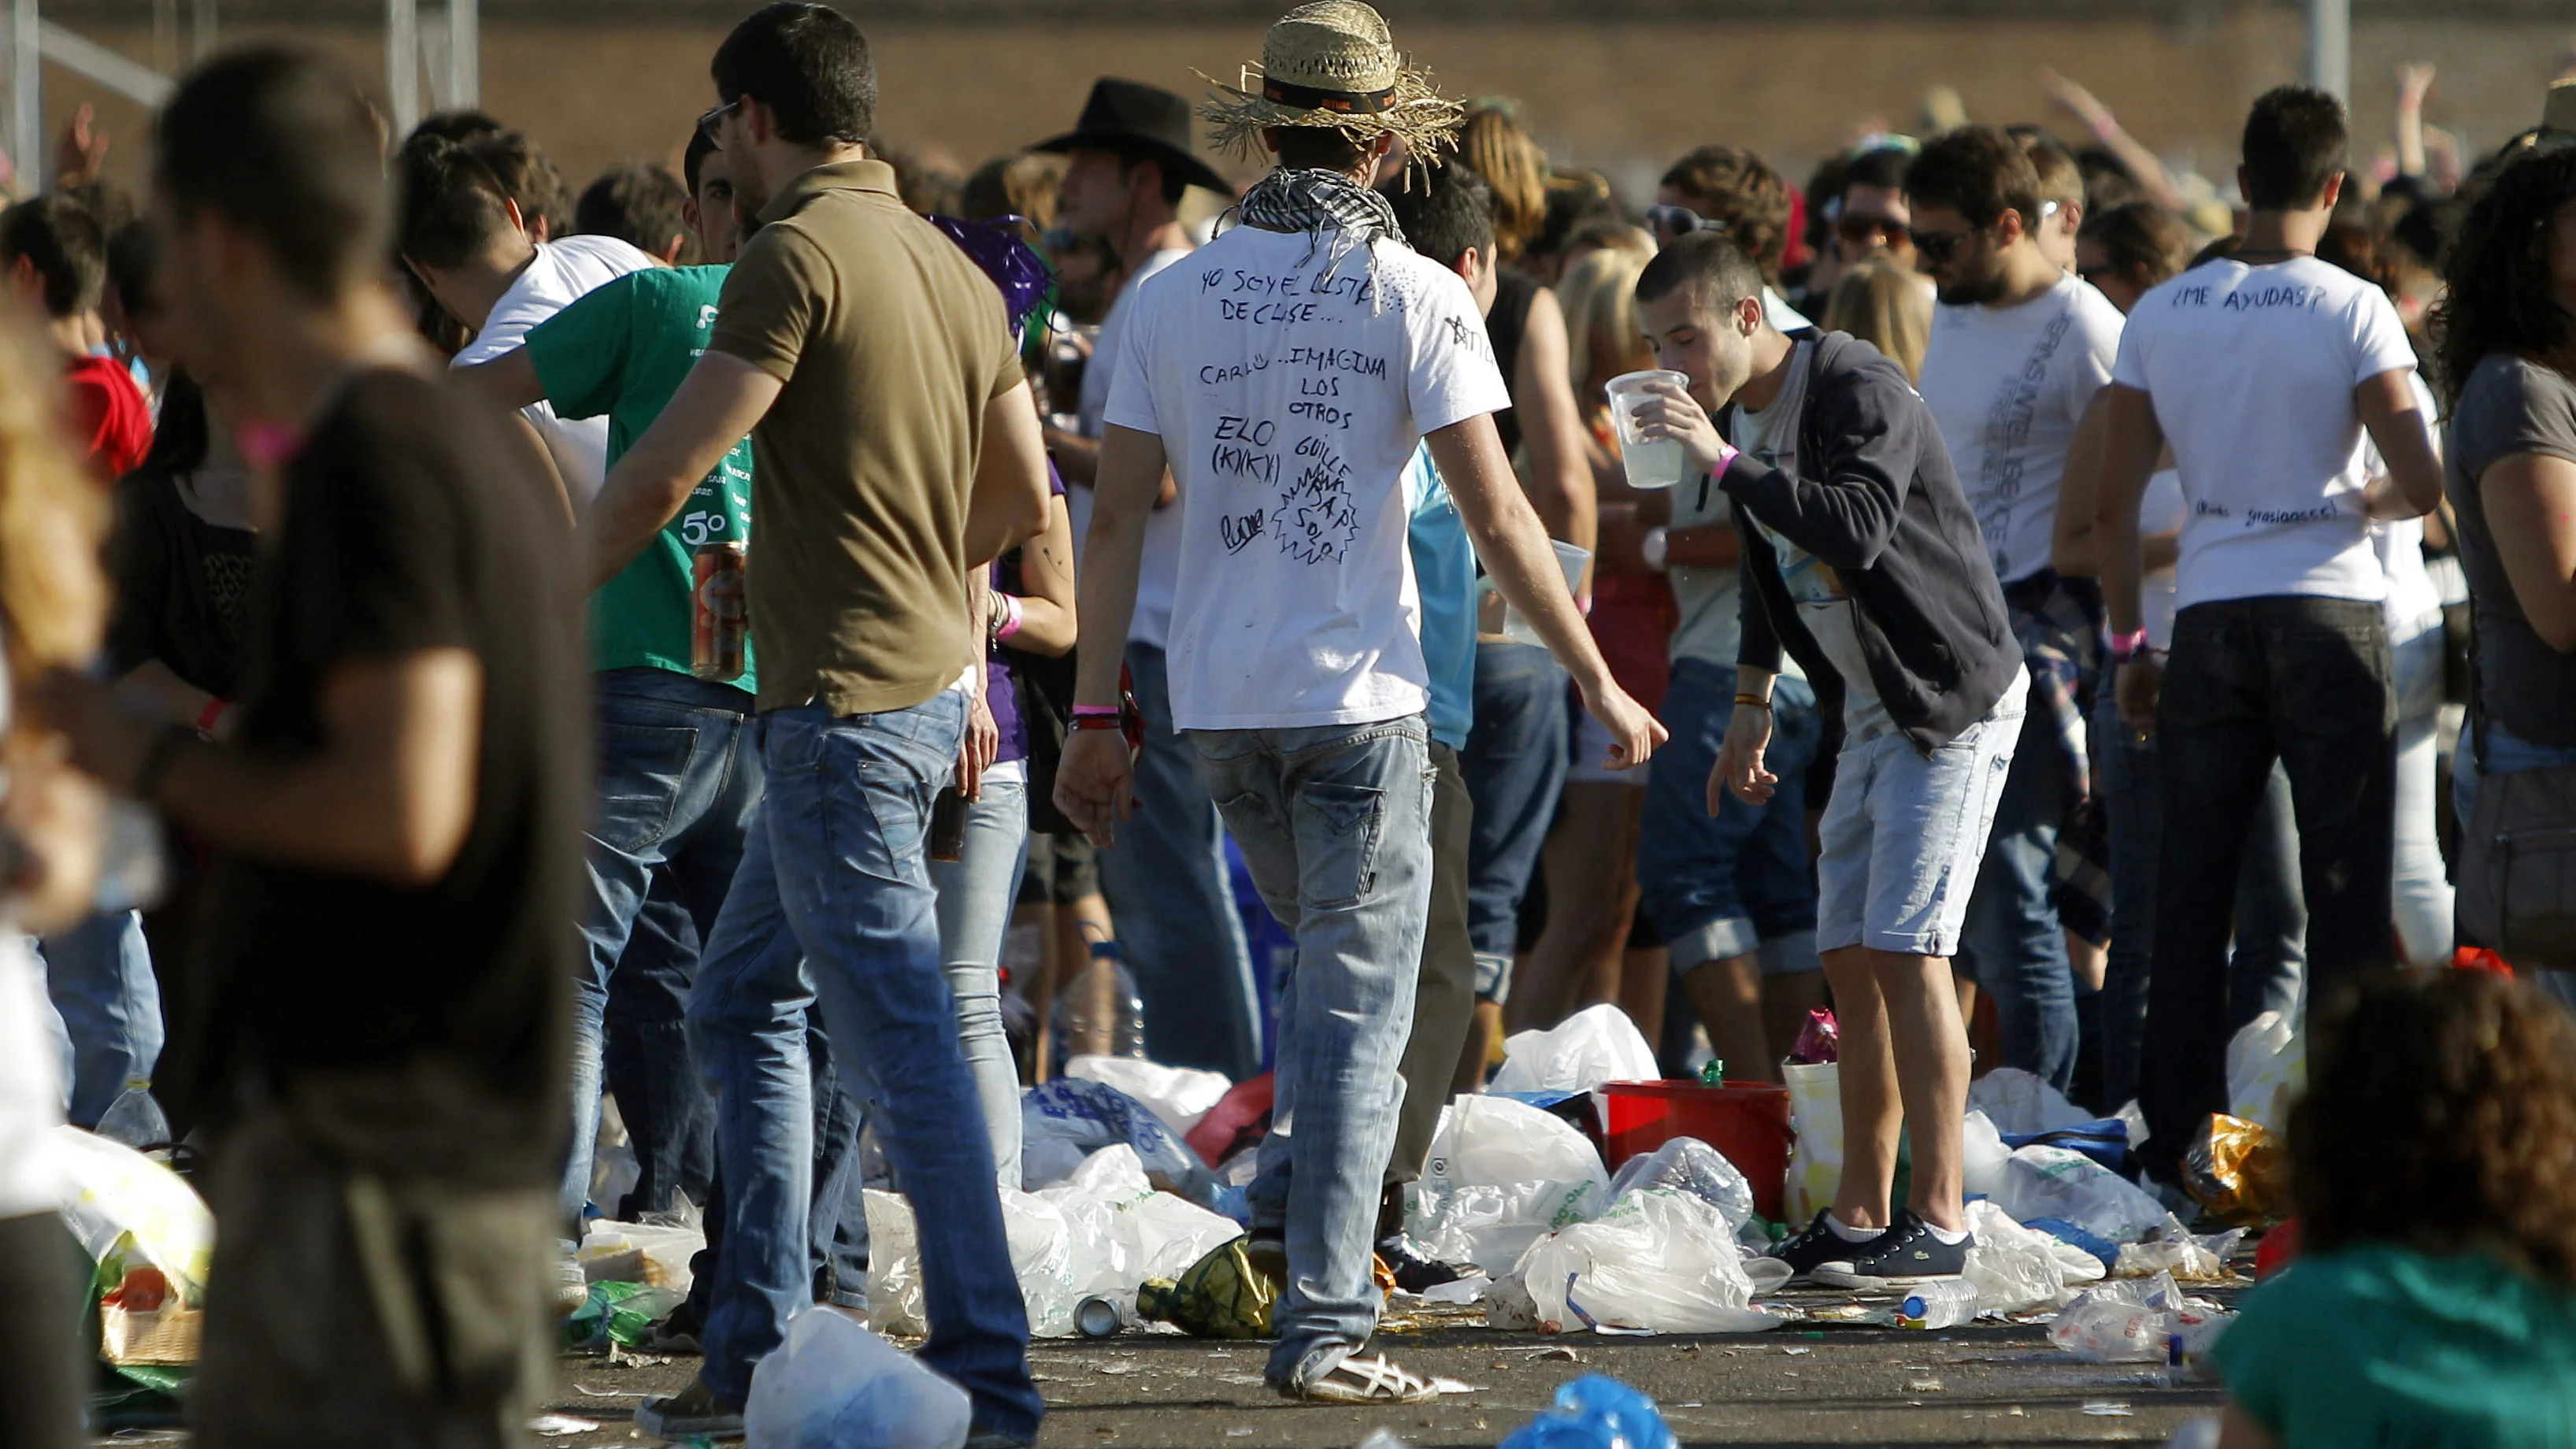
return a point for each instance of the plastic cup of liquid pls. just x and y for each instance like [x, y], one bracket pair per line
[1655, 463]
[1569, 558]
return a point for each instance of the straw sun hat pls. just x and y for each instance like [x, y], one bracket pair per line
[1331, 64]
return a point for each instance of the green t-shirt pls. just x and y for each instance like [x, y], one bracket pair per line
[2381, 1345]
[621, 349]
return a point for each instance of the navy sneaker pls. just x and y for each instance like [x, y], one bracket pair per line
[1818, 1245]
[1904, 1256]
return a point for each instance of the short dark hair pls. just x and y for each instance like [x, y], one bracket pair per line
[807, 63]
[1446, 215]
[459, 125]
[1316, 148]
[1880, 166]
[1740, 192]
[528, 178]
[1702, 259]
[452, 204]
[1978, 172]
[1171, 183]
[279, 142]
[60, 238]
[636, 202]
[693, 159]
[2295, 142]
[2144, 242]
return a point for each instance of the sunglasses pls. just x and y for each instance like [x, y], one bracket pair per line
[707, 122]
[1676, 221]
[1860, 231]
[1937, 247]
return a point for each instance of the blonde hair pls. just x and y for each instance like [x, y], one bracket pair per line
[1599, 295]
[53, 595]
[1496, 148]
[1887, 307]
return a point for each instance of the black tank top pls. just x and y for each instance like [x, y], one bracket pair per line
[1513, 294]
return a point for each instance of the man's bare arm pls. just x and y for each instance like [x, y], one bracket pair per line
[2412, 486]
[717, 404]
[2131, 438]
[509, 380]
[1131, 467]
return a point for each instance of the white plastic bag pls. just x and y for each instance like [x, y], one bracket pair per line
[1658, 1259]
[1501, 1175]
[2021, 1103]
[1982, 1174]
[2052, 1182]
[1816, 1161]
[2175, 1250]
[148, 1232]
[2011, 1266]
[1595, 1045]
[2267, 1066]
[1180, 1096]
[2139, 1320]
[1042, 1257]
[1092, 1115]
[1686, 1164]
[654, 1254]
[834, 1385]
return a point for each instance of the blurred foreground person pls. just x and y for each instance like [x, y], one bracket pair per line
[407, 783]
[2434, 1301]
[52, 606]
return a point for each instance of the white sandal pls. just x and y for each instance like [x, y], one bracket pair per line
[1379, 1380]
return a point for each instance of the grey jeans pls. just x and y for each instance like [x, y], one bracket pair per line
[1335, 823]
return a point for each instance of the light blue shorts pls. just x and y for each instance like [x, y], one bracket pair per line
[1904, 832]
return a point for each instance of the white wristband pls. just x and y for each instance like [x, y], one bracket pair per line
[1656, 548]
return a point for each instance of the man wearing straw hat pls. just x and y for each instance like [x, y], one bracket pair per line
[1285, 373]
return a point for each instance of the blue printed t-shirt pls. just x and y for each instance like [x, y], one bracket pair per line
[2381, 1345]
[622, 349]
[1444, 572]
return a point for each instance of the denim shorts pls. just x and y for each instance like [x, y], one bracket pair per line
[1904, 833]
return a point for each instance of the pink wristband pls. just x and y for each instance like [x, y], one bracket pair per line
[1011, 617]
[1093, 711]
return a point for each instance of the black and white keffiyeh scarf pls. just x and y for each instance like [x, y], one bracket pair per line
[1339, 215]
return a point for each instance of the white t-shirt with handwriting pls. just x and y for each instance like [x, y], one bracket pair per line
[2251, 371]
[1290, 391]
[560, 273]
[2007, 385]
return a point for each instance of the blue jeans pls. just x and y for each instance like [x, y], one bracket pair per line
[1515, 765]
[1168, 887]
[678, 785]
[2013, 944]
[833, 907]
[2270, 953]
[976, 893]
[107, 1010]
[1335, 823]
[644, 1058]
[1716, 887]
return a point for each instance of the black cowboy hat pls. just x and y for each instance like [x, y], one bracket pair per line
[1142, 121]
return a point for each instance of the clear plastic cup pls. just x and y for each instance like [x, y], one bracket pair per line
[1517, 626]
[1650, 464]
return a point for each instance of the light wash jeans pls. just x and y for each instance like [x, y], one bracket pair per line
[976, 893]
[679, 784]
[107, 1010]
[2422, 883]
[1173, 897]
[833, 907]
[1335, 824]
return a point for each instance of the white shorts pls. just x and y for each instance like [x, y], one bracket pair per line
[1904, 833]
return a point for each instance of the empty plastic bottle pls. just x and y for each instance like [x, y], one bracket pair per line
[134, 1118]
[1101, 1011]
[1946, 1304]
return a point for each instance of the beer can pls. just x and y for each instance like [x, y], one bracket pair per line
[720, 613]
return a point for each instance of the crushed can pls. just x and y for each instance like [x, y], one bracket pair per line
[720, 610]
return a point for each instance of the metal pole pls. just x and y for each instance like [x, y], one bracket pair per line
[402, 64]
[26, 97]
[2330, 47]
[201, 29]
[464, 55]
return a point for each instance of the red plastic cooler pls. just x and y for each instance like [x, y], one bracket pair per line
[1747, 1121]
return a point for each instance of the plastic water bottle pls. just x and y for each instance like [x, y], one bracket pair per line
[1102, 1008]
[1945, 1304]
[134, 1118]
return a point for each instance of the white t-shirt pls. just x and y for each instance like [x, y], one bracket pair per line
[561, 271]
[2252, 370]
[2007, 385]
[1824, 605]
[1161, 563]
[1289, 393]
[2413, 604]
[31, 1090]
[2160, 510]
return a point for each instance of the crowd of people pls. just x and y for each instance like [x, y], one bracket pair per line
[1983, 591]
